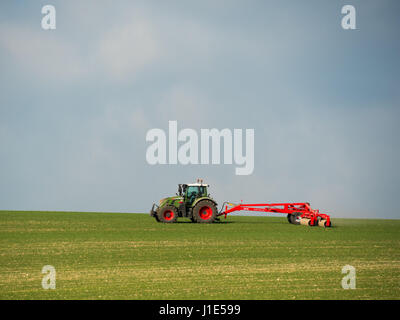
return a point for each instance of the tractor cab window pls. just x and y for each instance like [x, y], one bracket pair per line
[192, 191]
[203, 191]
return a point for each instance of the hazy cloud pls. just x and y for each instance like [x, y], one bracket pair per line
[76, 102]
[126, 49]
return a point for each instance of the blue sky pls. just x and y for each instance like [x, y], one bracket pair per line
[76, 102]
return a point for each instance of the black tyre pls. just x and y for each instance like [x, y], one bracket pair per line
[205, 211]
[295, 217]
[156, 217]
[317, 221]
[167, 214]
[289, 218]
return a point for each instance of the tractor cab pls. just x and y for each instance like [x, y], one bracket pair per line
[191, 192]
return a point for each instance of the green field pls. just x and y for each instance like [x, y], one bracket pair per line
[131, 256]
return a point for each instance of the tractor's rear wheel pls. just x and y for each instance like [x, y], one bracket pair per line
[167, 214]
[295, 217]
[205, 211]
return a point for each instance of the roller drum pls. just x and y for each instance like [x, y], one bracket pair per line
[323, 223]
[305, 221]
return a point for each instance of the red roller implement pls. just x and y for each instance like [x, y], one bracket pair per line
[301, 209]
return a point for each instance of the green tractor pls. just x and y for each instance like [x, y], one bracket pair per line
[191, 201]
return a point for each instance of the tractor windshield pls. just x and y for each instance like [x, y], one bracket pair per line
[192, 191]
[195, 191]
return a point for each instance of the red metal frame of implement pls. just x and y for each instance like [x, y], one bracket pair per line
[303, 209]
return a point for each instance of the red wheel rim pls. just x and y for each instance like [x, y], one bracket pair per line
[168, 215]
[205, 212]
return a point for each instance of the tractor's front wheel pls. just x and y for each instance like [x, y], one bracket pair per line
[167, 214]
[205, 211]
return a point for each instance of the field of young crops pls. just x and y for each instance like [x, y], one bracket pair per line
[131, 256]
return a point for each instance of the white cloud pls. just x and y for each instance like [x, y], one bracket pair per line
[188, 106]
[139, 120]
[125, 50]
[42, 52]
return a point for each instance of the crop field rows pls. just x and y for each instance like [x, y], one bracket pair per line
[131, 256]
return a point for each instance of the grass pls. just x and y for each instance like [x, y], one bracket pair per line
[131, 256]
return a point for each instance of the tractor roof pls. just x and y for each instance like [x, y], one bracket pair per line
[197, 185]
